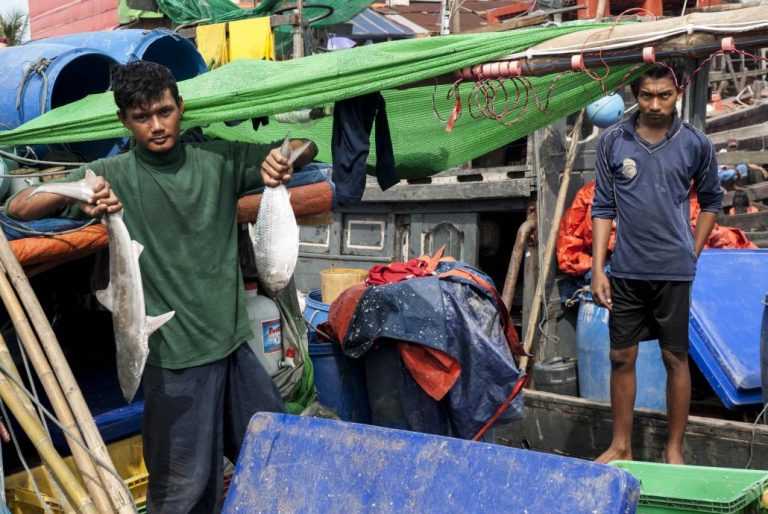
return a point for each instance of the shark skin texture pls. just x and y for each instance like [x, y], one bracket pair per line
[124, 296]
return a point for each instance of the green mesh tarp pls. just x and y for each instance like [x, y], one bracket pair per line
[245, 89]
[217, 11]
[422, 147]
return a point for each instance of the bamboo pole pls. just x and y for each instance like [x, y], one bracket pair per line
[530, 329]
[116, 489]
[5, 358]
[13, 398]
[53, 390]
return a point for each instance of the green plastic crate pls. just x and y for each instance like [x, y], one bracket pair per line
[673, 489]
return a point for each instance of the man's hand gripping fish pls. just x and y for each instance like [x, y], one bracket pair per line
[124, 296]
[276, 235]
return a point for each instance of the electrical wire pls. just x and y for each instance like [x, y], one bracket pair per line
[25, 160]
[32, 480]
[19, 227]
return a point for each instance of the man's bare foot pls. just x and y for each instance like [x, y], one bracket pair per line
[614, 454]
[674, 456]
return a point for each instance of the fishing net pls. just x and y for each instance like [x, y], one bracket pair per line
[245, 89]
[217, 11]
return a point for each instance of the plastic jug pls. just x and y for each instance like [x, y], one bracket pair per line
[265, 323]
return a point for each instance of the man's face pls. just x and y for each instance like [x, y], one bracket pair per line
[155, 126]
[656, 99]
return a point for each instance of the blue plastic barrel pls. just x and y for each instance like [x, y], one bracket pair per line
[162, 46]
[593, 347]
[62, 75]
[340, 381]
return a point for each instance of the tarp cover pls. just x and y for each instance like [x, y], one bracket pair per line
[247, 88]
[457, 317]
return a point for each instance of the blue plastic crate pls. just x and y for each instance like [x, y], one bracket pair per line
[298, 464]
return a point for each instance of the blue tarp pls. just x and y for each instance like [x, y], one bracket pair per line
[19, 230]
[457, 317]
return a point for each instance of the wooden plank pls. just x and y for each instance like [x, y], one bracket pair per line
[582, 428]
[756, 221]
[739, 117]
[754, 137]
[717, 76]
[521, 187]
[738, 157]
[524, 21]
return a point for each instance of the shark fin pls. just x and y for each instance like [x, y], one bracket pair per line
[137, 248]
[155, 322]
[105, 297]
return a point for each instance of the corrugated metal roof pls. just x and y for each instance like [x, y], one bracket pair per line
[369, 23]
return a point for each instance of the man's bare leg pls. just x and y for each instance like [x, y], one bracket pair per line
[623, 390]
[678, 403]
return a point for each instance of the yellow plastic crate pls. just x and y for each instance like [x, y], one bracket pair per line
[126, 455]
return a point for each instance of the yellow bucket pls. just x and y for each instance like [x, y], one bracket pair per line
[335, 280]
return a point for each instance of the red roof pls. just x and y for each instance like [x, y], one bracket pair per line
[56, 17]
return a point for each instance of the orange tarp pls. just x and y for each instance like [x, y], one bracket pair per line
[574, 238]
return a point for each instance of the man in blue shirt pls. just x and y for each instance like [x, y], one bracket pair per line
[645, 168]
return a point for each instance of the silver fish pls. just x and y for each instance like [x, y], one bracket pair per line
[124, 296]
[275, 236]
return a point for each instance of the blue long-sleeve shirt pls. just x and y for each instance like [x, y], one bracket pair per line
[647, 189]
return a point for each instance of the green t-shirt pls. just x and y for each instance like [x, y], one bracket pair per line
[182, 208]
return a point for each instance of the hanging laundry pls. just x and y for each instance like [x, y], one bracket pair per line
[212, 44]
[251, 39]
[351, 141]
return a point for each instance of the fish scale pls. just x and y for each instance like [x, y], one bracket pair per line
[275, 236]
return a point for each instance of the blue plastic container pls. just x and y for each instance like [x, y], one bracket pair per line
[593, 347]
[340, 381]
[764, 353]
[299, 464]
[65, 74]
[161, 46]
[726, 317]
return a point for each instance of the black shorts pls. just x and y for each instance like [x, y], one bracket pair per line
[649, 309]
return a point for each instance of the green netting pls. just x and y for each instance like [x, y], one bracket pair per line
[422, 146]
[248, 88]
[217, 11]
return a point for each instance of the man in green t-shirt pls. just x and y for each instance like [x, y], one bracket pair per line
[201, 384]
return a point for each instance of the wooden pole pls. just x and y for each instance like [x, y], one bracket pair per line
[121, 499]
[530, 329]
[549, 250]
[12, 396]
[53, 390]
[298, 30]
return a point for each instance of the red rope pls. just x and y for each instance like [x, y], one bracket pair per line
[515, 391]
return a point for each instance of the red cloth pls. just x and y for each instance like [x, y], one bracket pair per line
[574, 238]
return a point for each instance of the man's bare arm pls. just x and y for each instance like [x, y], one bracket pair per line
[39, 206]
[601, 286]
[27, 207]
[704, 224]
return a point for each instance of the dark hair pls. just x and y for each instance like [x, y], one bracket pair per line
[657, 71]
[740, 199]
[139, 83]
